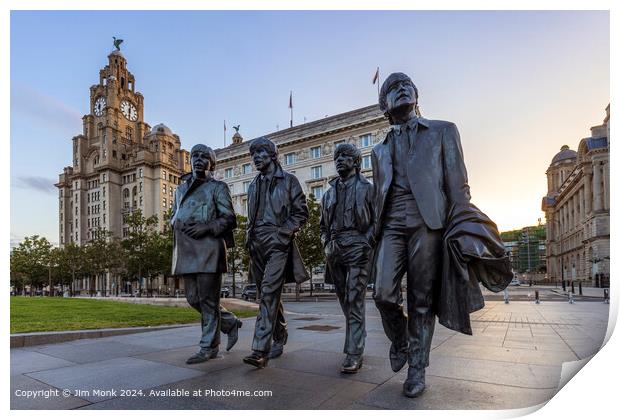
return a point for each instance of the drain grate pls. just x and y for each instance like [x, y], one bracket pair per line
[307, 318]
[318, 327]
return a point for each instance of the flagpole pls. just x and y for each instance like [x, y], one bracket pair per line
[290, 105]
[224, 133]
[378, 81]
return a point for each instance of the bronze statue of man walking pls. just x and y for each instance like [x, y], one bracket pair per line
[347, 226]
[418, 174]
[276, 211]
[202, 221]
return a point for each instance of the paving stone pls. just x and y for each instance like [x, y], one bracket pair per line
[113, 374]
[86, 351]
[454, 394]
[374, 370]
[495, 372]
[23, 361]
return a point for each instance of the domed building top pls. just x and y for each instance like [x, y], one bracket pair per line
[161, 129]
[564, 154]
[117, 52]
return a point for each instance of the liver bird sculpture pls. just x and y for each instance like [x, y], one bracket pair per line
[117, 43]
[236, 127]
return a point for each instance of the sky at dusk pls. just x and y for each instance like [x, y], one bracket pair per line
[518, 85]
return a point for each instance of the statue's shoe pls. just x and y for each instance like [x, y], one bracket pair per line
[233, 335]
[352, 363]
[256, 359]
[202, 356]
[398, 357]
[415, 383]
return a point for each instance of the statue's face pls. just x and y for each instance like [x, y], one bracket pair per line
[200, 161]
[345, 164]
[261, 158]
[401, 94]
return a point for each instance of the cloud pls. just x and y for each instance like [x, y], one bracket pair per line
[45, 109]
[37, 183]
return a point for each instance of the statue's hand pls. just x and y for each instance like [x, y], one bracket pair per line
[196, 230]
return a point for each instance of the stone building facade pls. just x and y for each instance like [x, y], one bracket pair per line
[577, 211]
[120, 164]
[305, 150]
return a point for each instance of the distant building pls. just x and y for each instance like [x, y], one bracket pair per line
[305, 150]
[577, 210]
[526, 249]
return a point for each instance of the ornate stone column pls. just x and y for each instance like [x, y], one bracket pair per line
[587, 187]
[598, 193]
[606, 185]
[582, 212]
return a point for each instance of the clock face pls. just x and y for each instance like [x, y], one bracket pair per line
[100, 104]
[129, 110]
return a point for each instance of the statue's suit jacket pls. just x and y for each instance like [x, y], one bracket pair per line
[286, 206]
[206, 202]
[436, 172]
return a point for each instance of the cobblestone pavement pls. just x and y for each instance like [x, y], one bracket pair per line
[513, 360]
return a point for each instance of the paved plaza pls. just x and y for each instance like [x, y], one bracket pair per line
[513, 360]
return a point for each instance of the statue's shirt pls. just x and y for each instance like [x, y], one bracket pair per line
[345, 199]
[402, 211]
[263, 192]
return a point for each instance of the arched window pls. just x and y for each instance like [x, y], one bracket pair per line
[126, 193]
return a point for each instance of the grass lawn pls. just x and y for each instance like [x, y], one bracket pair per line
[32, 314]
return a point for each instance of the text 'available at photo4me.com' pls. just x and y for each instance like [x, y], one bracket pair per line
[139, 393]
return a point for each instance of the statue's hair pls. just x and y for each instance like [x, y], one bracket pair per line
[349, 149]
[210, 153]
[263, 143]
[385, 88]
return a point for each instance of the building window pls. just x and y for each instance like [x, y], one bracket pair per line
[366, 140]
[140, 172]
[366, 162]
[317, 192]
[140, 186]
[247, 168]
[163, 174]
[140, 201]
[246, 184]
[315, 152]
[290, 158]
[316, 172]
[165, 202]
[228, 173]
[164, 189]
[128, 133]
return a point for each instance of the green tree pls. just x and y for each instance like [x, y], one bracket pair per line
[142, 245]
[238, 256]
[30, 262]
[70, 264]
[309, 239]
[97, 261]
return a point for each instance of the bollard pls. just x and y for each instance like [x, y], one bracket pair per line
[580, 290]
[570, 298]
[537, 297]
[506, 297]
[606, 296]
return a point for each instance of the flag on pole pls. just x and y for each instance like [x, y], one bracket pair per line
[376, 76]
[290, 100]
[224, 125]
